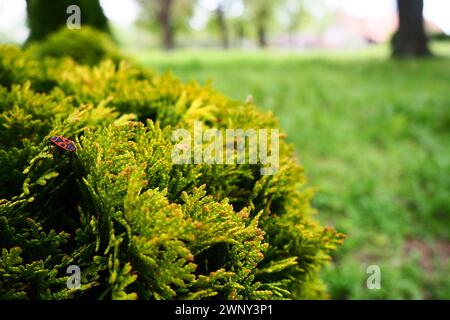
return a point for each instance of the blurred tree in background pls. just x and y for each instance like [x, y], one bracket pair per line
[261, 12]
[167, 16]
[293, 12]
[222, 22]
[254, 20]
[410, 39]
[45, 18]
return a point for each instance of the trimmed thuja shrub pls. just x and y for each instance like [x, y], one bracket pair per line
[137, 225]
[86, 46]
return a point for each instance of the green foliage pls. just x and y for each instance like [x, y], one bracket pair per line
[85, 46]
[373, 135]
[26, 117]
[16, 67]
[138, 226]
[45, 19]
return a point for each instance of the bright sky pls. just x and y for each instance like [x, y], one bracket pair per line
[124, 12]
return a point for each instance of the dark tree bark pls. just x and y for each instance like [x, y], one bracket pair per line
[240, 32]
[165, 19]
[410, 39]
[221, 20]
[262, 20]
[262, 35]
[45, 18]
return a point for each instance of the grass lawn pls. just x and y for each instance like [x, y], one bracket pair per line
[374, 137]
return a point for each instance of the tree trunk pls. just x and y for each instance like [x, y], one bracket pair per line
[262, 35]
[165, 18]
[240, 33]
[44, 19]
[410, 39]
[223, 27]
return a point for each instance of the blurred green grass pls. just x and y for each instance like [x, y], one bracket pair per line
[373, 135]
